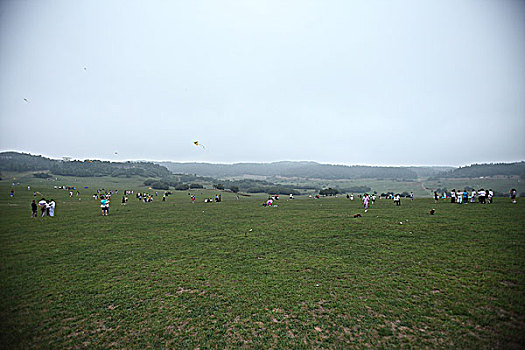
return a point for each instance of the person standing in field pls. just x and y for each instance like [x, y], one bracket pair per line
[366, 200]
[436, 197]
[52, 206]
[411, 196]
[453, 196]
[42, 204]
[397, 199]
[465, 196]
[482, 196]
[490, 195]
[513, 194]
[34, 209]
[104, 205]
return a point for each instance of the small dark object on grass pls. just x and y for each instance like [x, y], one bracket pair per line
[358, 215]
[432, 211]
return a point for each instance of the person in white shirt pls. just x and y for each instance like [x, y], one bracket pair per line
[397, 199]
[52, 205]
[490, 195]
[482, 193]
[42, 204]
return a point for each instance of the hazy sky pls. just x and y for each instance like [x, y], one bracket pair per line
[347, 82]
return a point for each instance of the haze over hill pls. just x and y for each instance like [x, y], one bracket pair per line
[279, 177]
[16, 161]
[303, 169]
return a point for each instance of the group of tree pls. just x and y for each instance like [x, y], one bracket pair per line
[357, 189]
[14, 161]
[42, 175]
[486, 170]
[17, 162]
[293, 169]
[328, 191]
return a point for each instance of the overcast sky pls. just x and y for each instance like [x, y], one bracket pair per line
[346, 82]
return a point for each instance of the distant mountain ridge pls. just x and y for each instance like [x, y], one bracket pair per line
[486, 170]
[302, 169]
[17, 162]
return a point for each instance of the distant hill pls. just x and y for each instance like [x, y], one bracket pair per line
[14, 161]
[17, 162]
[427, 171]
[293, 169]
[486, 170]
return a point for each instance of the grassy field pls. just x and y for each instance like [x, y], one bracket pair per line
[305, 274]
[422, 188]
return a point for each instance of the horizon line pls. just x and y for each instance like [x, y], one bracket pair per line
[259, 162]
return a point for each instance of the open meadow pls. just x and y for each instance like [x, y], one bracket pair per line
[303, 274]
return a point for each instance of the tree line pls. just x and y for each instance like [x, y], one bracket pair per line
[293, 169]
[486, 170]
[17, 162]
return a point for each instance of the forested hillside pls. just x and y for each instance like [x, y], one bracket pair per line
[13, 161]
[486, 170]
[293, 169]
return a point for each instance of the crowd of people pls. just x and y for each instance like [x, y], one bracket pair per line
[106, 193]
[218, 198]
[464, 196]
[47, 208]
[270, 201]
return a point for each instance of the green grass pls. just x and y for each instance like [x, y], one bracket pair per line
[422, 188]
[181, 275]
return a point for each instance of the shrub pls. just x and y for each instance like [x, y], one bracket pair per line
[329, 192]
[159, 185]
[182, 187]
[42, 175]
[148, 182]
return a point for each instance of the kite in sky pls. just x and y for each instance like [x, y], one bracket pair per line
[25, 99]
[196, 143]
